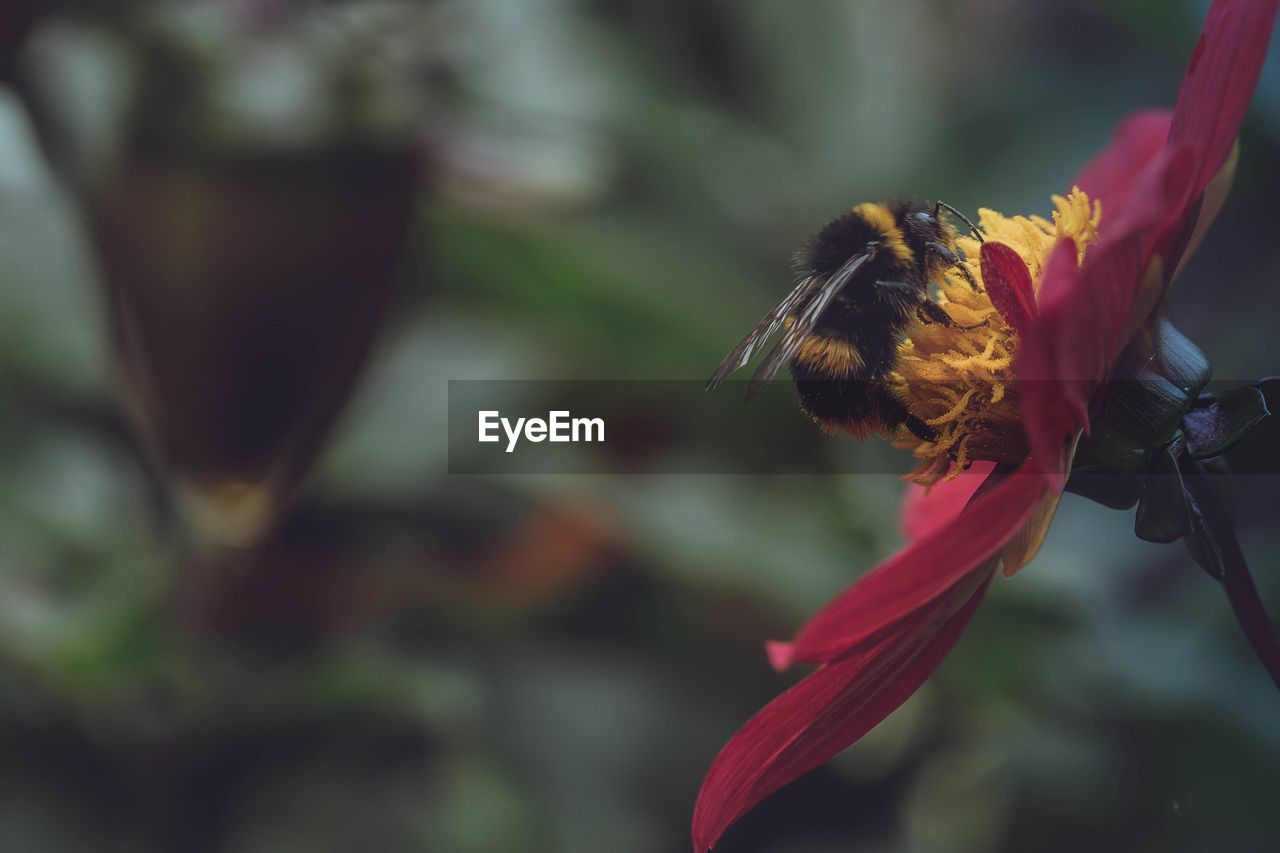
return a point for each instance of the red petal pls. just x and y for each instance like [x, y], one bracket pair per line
[822, 715]
[924, 511]
[1055, 394]
[1219, 82]
[932, 612]
[924, 571]
[1212, 102]
[1008, 282]
[1088, 313]
[1111, 175]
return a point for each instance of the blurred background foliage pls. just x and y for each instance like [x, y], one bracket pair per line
[610, 189]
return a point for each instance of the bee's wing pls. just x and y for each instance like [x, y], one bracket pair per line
[764, 330]
[790, 343]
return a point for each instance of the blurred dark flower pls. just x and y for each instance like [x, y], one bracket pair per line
[249, 235]
[1072, 299]
[244, 301]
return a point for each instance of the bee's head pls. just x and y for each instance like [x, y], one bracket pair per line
[924, 226]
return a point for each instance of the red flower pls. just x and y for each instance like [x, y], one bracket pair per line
[1160, 182]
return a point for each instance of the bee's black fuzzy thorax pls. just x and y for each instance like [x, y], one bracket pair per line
[838, 241]
[908, 223]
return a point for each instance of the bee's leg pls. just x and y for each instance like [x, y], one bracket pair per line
[919, 428]
[899, 295]
[953, 259]
[893, 410]
[942, 205]
[931, 312]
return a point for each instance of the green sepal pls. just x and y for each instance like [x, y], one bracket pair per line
[1142, 406]
[1107, 451]
[1136, 418]
[1215, 423]
[1143, 410]
[1164, 512]
[1109, 488]
[1178, 360]
[1270, 388]
[1149, 423]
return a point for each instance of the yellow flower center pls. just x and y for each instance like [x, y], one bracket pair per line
[960, 380]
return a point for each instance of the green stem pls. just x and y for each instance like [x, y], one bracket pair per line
[1236, 579]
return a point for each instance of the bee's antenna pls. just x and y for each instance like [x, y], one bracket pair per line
[942, 205]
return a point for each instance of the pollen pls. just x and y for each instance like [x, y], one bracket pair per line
[960, 380]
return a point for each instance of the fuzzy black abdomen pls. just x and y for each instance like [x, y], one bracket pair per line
[858, 406]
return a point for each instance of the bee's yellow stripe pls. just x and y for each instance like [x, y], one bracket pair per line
[882, 219]
[837, 358]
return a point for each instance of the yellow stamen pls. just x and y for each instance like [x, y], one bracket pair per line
[960, 381]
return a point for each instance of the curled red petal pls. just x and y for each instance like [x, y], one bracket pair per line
[925, 510]
[924, 571]
[1087, 313]
[823, 714]
[1008, 282]
[1216, 89]
[1113, 278]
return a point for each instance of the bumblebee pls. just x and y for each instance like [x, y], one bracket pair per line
[863, 281]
